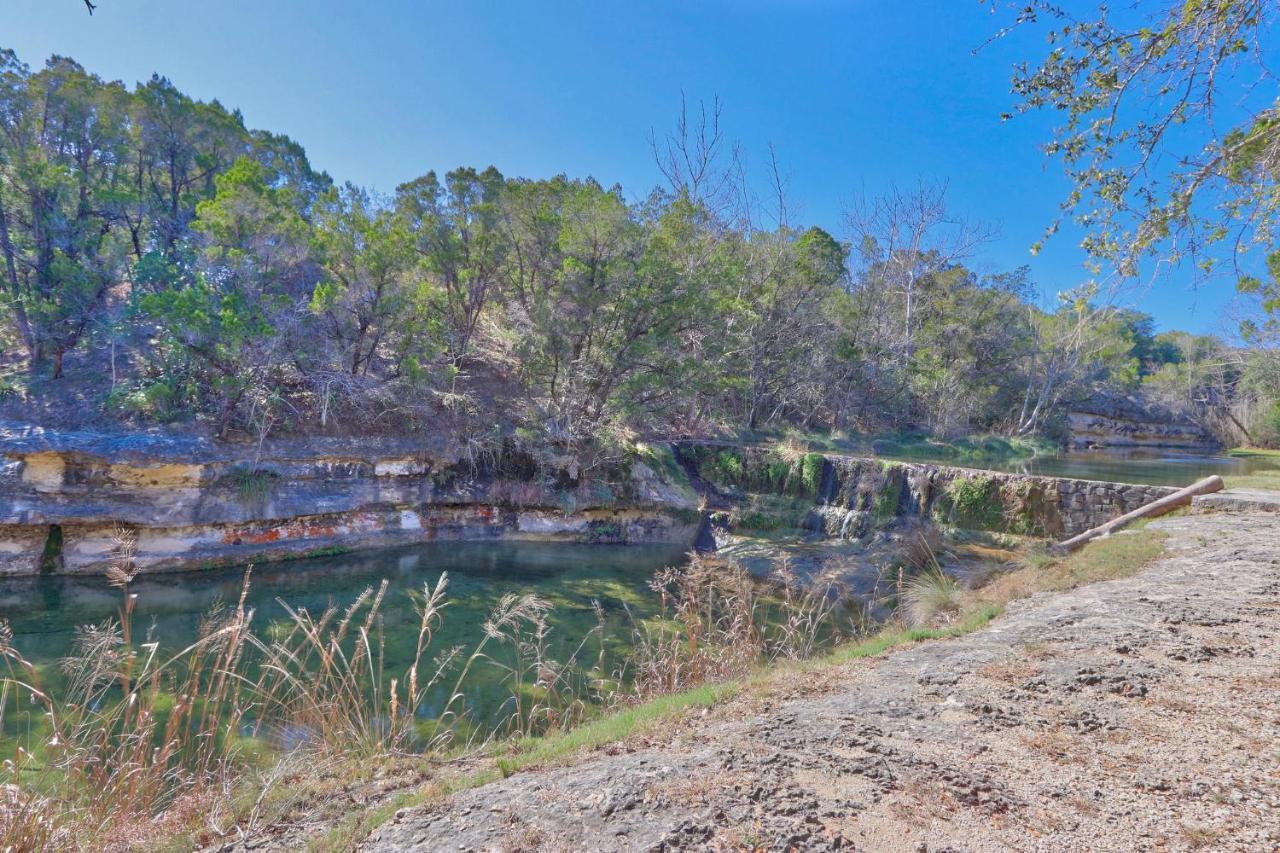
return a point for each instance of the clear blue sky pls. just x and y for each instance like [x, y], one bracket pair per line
[854, 95]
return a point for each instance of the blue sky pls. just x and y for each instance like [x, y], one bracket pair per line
[854, 96]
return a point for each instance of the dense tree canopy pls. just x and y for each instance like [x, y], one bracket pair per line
[228, 284]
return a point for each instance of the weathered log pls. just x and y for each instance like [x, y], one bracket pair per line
[1168, 503]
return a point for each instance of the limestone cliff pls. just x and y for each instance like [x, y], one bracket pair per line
[192, 502]
[1125, 423]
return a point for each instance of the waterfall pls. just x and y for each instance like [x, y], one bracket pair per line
[844, 524]
[917, 492]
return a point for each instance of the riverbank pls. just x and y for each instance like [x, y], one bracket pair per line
[1267, 475]
[191, 503]
[1127, 713]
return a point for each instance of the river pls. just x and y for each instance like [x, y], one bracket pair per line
[1148, 467]
[44, 612]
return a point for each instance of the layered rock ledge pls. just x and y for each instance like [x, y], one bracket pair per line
[193, 503]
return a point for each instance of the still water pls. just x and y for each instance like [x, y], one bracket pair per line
[586, 585]
[1148, 467]
[44, 612]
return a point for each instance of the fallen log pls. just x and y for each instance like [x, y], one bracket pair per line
[1168, 503]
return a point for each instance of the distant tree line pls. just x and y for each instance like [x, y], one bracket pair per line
[176, 266]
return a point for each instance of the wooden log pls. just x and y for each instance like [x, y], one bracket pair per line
[1168, 503]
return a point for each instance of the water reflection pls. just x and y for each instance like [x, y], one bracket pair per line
[45, 611]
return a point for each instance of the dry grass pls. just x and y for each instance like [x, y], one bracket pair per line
[140, 746]
[241, 729]
[717, 623]
[145, 749]
[1011, 671]
[1059, 746]
[1115, 556]
[1198, 837]
[931, 597]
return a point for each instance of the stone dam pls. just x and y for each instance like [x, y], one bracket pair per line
[192, 503]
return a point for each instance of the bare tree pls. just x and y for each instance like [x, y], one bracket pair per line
[696, 161]
[902, 238]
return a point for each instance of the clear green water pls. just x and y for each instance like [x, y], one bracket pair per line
[1149, 467]
[44, 612]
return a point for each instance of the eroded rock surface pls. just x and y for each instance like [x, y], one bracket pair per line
[1123, 422]
[196, 503]
[1136, 714]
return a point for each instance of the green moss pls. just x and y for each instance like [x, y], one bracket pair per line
[972, 502]
[662, 459]
[599, 532]
[328, 551]
[51, 556]
[776, 475]
[443, 479]
[767, 513]
[729, 467]
[811, 468]
[889, 497]
[685, 516]
[1022, 500]
[769, 472]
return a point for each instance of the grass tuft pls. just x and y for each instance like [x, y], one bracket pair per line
[145, 749]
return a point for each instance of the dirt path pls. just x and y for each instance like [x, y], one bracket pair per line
[1141, 713]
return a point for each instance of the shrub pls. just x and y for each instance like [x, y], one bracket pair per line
[252, 485]
[163, 400]
[930, 595]
[1266, 426]
[718, 622]
[728, 467]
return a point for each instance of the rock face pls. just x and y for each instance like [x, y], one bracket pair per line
[862, 490]
[195, 503]
[854, 495]
[1127, 424]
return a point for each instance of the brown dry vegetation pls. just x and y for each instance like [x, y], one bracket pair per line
[167, 763]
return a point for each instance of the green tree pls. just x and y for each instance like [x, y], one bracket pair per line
[63, 135]
[179, 147]
[234, 319]
[377, 301]
[457, 232]
[1169, 130]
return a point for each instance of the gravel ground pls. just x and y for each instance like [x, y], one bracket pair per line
[1135, 714]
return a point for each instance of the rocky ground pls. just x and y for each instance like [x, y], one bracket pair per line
[1136, 714]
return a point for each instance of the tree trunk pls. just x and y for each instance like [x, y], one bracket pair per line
[1168, 503]
[15, 288]
[1247, 437]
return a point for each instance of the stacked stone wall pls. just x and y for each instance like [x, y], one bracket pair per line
[859, 493]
